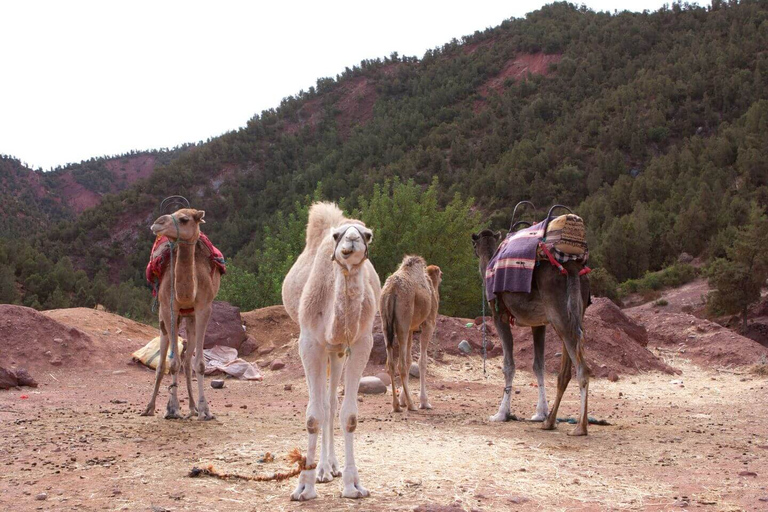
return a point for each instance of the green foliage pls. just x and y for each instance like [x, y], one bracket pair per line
[406, 219]
[603, 284]
[670, 277]
[738, 278]
[240, 288]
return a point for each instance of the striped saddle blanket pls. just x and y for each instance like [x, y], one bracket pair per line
[511, 268]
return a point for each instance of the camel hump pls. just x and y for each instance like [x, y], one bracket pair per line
[322, 216]
[413, 263]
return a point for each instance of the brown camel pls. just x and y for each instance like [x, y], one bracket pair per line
[554, 299]
[196, 285]
[409, 301]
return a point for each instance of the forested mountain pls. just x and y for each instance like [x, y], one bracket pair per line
[31, 201]
[653, 125]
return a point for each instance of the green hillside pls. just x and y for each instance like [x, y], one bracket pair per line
[654, 125]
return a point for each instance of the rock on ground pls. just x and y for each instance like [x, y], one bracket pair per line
[372, 386]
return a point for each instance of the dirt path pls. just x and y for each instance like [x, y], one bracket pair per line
[79, 439]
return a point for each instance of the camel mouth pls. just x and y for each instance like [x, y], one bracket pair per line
[346, 253]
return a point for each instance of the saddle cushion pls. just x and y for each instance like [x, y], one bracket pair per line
[160, 256]
[511, 268]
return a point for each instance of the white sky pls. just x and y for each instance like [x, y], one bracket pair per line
[83, 79]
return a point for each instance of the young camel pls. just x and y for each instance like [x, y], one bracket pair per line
[409, 300]
[332, 292]
[196, 285]
[555, 300]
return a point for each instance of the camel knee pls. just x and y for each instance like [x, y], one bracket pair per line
[313, 425]
[351, 424]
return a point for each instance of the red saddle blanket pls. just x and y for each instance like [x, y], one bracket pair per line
[160, 256]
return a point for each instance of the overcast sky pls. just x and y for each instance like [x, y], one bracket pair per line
[84, 79]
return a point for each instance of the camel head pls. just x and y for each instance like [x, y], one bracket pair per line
[182, 225]
[435, 275]
[485, 243]
[351, 244]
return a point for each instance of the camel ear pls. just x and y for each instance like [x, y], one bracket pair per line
[475, 237]
[368, 234]
[497, 236]
[198, 216]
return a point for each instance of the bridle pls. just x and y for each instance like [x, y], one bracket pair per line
[341, 237]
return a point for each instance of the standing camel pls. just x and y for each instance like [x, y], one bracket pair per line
[196, 284]
[409, 301]
[556, 300]
[332, 292]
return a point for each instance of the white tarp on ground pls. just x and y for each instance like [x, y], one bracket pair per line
[225, 359]
[217, 359]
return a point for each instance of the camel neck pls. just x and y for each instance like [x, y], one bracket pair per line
[184, 271]
[347, 304]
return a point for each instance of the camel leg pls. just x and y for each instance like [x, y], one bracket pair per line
[160, 371]
[328, 467]
[576, 353]
[563, 378]
[507, 344]
[393, 356]
[405, 337]
[426, 337]
[202, 315]
[358, 358]
[315, 361]
[538, 368]
[188, 350]
[173, 409]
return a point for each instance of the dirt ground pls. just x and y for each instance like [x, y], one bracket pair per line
[80, 439]
[695, 439]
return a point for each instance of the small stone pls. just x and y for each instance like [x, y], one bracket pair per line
[217, 383]
[262, 363]
[243, 406]
[613, 376]
[288, 387]
[519, 500]
[384, 377]
[465, 347]
[266, 349]
[56, 361]
[372, 386]
[58, 340]
[414, 370]
[747, 473]
[680, 503]
[42, 496]
[227, 405]
[517, 391]
[277, 364]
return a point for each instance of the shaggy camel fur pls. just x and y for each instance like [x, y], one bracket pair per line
[409, 301]
[556, 300]
[196, 285]
[332, 292]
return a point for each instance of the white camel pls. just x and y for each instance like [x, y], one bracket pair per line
[332, 292]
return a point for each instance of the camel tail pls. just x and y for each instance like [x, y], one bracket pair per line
[388, 319]
[322, 216]
[574, 305]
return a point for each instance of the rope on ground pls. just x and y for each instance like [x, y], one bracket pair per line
[571, 421]
[294, 457]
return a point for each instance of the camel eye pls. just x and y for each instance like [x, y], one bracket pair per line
[184, 220]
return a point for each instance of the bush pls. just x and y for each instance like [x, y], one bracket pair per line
[670, 277]
[603, 284]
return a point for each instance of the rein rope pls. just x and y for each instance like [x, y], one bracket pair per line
[485, 337]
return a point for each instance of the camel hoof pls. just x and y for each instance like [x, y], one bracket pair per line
[397, 409]
[425, 406]
[538, 417]
[303, 493]
[325, 474]
[547, 425]
[172, 415]
[205, 416]
[412, 408]
[500, 417]
[149, 411]
[578, 431]
[355, 492]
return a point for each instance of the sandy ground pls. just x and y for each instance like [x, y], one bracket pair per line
[703, 444]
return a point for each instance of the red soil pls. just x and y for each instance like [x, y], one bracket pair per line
[357, 97]
[516, 69]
